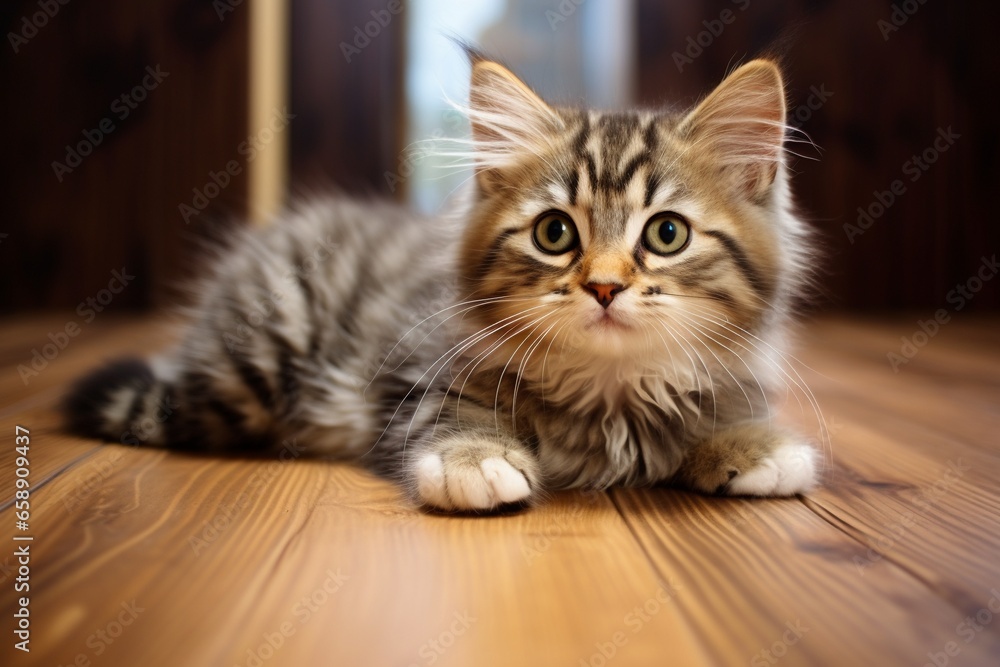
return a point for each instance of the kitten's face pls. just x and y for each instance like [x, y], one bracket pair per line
[614, 233]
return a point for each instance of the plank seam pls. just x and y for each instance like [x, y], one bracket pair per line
[37, 486]
[703, 644]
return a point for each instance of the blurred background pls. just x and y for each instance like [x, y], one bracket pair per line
[133, 129]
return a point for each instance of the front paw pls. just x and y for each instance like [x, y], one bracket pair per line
[467, 482]
[790, 468]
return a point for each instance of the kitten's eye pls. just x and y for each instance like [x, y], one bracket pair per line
[555, 233]
[666, 233]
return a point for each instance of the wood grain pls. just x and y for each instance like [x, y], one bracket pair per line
[924, 242]
[255, 561]
[120, 204]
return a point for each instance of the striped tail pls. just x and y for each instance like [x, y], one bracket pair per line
[121, 402]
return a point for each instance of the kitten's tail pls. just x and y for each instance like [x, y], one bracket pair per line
[122, 401]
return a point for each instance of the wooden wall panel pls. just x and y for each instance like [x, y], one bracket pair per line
[347, 93]
[120, 206]
[890, 99]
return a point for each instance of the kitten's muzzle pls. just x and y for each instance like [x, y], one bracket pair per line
[604, 292]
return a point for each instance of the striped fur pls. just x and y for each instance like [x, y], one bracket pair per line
[460, 356]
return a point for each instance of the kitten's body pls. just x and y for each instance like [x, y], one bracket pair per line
[480, 366]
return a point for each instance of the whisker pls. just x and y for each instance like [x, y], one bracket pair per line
[520, 373]
[707, 334]
[477, 304]
[798, 381]
[708, 374]
[724, 367]
[453, 352]
[479, 357]
[694, 368]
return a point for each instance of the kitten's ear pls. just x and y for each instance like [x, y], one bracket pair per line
[742, 125]
[508, 119]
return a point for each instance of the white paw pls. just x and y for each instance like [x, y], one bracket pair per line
[492, 483]
[789, 469]
[507, 483]
[430, 481]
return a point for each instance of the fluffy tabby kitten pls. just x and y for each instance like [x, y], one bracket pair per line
[608, 309]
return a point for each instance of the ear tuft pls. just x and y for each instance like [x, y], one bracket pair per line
[508, 119]
[742, 125]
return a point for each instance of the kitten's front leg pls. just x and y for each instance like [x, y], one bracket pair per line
[750, 460]
[474, 469]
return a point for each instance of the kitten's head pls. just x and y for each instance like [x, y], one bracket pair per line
[614, 232]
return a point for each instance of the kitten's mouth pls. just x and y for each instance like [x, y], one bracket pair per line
[609, 322]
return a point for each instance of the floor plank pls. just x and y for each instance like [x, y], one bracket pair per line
[51, 452]
[26, 376]
[252, 562]
[285, 529]
[754, 572]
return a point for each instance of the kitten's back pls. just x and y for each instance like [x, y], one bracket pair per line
[290, 328]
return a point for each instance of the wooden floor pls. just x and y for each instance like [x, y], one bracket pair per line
[144, 557]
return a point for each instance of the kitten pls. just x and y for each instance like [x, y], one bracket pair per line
[609, 309]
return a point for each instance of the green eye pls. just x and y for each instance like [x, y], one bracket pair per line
[555, 233]
[666, 233]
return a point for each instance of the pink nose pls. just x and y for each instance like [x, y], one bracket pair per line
[604, 293]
